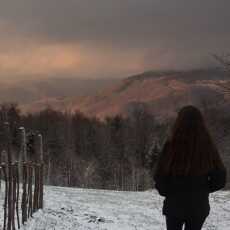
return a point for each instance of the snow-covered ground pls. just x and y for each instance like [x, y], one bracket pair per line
[85, 209]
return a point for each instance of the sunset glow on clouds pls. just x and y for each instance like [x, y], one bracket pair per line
[66, 59]
[23, 57]
[40, 59]
[108, 38]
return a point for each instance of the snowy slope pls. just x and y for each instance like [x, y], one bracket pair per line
[83, 209]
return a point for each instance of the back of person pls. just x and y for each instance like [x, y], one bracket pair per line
[188, 170]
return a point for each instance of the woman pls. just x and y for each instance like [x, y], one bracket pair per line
[189, 168]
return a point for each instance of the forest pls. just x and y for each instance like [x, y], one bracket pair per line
[116, 153]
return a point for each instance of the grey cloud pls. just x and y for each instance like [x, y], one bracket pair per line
[190, 28]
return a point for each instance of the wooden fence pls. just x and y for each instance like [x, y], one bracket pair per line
[22, 180]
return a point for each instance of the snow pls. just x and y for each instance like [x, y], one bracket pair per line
[86, 209]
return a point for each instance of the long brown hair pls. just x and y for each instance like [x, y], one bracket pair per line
[190, 149]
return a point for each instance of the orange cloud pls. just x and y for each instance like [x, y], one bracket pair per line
[22, 56]
[31, 59]
[44, 59]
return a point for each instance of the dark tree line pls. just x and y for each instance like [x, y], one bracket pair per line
[116, 153]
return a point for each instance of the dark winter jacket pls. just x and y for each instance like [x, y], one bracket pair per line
[189, 195]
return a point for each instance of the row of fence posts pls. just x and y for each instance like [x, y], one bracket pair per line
[22, 172]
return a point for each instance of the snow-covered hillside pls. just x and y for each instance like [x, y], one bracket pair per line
[84, 209]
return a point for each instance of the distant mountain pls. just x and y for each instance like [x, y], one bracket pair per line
[160, 92]
[33, 95]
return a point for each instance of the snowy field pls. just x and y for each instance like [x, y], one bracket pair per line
[84, 209]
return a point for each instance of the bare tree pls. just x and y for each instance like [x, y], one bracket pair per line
[224, 60]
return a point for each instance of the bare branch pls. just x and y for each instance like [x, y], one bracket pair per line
[224, 60]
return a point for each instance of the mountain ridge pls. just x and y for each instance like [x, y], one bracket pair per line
[158, 90]
[161, 92]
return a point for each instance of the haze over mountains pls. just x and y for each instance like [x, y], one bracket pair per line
[30, 93]
[160, 92]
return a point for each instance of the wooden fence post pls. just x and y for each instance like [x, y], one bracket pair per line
[24, 193]
[10, 184]
[38, 187]
[1, 179]
[41, 168]
[17, 193]
[24, 171]
[36, 191]
[30, 190]
[23, 150]
[14, 195]
[6, 195]
[40, 147]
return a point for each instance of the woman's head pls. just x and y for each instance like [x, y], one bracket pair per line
[190, 149]
[189, 119]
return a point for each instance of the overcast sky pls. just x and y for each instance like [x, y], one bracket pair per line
[109, 38]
